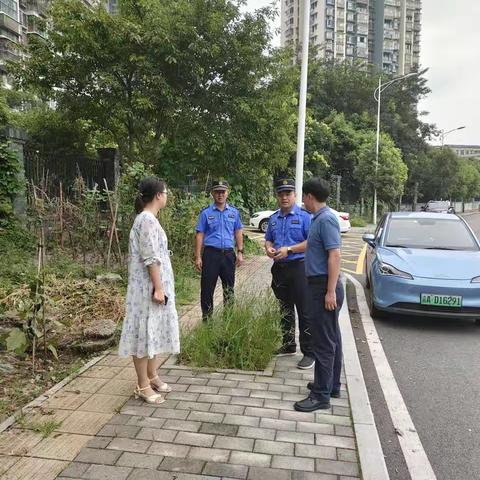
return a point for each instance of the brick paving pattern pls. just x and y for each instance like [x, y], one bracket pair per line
[212, 425]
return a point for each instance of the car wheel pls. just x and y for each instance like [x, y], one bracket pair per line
[263, 225]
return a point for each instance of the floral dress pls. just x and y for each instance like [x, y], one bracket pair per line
[148, 328]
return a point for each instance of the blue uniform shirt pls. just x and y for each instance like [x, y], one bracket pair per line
[324, 235]
[287, 230]
[219, 226]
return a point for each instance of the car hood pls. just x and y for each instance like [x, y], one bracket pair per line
[441, 264]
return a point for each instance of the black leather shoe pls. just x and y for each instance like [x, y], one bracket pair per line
[310, 404]
[334, 394]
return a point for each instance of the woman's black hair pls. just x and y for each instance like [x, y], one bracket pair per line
[318, 187]
[147, 189]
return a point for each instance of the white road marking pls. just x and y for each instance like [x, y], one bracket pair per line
[415, 456]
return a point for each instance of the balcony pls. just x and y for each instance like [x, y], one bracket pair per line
[10, 24]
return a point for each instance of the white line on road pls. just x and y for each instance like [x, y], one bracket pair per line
[415, 456]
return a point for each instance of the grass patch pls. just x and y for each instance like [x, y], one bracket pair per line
[45, 429]
[244, 335]
[187, 282]
[358, 222]
[252, 247]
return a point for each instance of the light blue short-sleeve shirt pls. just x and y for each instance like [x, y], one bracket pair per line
[324, 235]
[285, 230]
[219, 226]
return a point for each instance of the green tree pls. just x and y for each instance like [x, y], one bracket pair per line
[54, 134]
[392, 172]
[189, 86]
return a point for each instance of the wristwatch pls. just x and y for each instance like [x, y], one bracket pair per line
[240, 251]
[289, 250]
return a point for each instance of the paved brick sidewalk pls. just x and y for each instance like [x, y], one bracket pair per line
[213, 425]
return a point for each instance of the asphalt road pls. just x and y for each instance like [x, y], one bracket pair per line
[436, 364]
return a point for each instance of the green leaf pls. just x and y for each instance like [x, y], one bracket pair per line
[17, 341]
[53, 350]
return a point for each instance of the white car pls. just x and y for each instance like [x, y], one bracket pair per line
[259, 220]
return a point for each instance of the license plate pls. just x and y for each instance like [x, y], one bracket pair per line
[441, 300]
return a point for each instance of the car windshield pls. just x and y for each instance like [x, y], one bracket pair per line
[430, 233]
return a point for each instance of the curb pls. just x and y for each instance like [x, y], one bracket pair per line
[367, 229]
[172, 364]
[370, 453]
[36, 402]
[411, 446]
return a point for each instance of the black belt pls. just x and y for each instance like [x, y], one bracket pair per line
[220, 250]
[289, 263]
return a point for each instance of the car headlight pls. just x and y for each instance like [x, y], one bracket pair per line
[390, 270]
[255, 215]
[475, 280]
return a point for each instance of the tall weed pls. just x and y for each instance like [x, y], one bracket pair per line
[244, 335]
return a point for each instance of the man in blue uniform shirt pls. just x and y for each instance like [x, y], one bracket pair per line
[219, 228]
[285, 243]
[322, 267]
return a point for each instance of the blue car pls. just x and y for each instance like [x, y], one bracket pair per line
[423, 264]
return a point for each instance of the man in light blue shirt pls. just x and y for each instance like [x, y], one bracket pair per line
[219, 228]
[285, 243]
[322, 268]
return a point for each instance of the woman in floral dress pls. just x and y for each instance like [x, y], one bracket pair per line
[150, 327]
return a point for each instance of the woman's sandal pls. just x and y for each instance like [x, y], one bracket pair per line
[154, 399]
[163, 388]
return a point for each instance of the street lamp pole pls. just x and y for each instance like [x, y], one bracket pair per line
[444, 133]
[302, 107]
[378, 97]
[377, 149]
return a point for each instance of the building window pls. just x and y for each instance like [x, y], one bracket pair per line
[9, 7]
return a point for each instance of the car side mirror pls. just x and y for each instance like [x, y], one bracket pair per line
[370, 239]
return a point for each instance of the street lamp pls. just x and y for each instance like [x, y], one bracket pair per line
[302, 107]
[378, 96]
[444, 133]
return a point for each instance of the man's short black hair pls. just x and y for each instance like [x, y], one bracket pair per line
[318, 187]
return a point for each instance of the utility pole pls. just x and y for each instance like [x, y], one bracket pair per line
[302, 105]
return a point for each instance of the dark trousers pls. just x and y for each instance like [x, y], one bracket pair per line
[326, 339]
[290, 287]
[216, 263]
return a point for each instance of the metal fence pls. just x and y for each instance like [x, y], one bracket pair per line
[49, 171]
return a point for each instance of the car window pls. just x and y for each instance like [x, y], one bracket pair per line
[431, 233]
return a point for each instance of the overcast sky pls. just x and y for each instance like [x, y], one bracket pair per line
[449, 48]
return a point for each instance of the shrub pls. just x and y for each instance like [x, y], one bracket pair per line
[244, 335]
[358, 222]
[9, 180]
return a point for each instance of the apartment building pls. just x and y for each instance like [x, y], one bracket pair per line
[383, 32]
[465, 151]
[20, 19]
